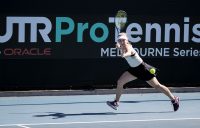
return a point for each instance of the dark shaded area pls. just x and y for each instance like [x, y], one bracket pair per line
[57, 115]
[93, 73]
[139, 7]
[90, 73]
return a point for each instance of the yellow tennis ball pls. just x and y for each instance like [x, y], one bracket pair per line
[152, 71]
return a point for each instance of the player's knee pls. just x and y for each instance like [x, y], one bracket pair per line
[158, 86]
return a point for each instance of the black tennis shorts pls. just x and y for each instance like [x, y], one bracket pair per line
[142, 71]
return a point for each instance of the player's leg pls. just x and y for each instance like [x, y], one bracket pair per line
[124, 78]
[156, 84]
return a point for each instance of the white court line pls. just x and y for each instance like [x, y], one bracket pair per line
[23, 126]
[95, 122]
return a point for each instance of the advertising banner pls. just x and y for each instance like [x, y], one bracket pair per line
[94, 36]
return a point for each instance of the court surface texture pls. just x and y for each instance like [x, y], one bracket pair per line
[147, 110]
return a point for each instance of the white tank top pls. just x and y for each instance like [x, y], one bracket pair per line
[135, 60]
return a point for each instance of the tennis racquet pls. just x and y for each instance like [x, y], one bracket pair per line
[120, 20]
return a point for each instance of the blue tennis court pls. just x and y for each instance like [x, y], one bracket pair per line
[148, 110]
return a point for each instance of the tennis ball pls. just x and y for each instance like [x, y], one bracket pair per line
[152, 71]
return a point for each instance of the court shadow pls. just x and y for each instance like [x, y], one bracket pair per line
[141, 101]
[57, 115]
[92, 102]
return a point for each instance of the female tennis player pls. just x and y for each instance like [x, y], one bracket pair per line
[138, 69]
